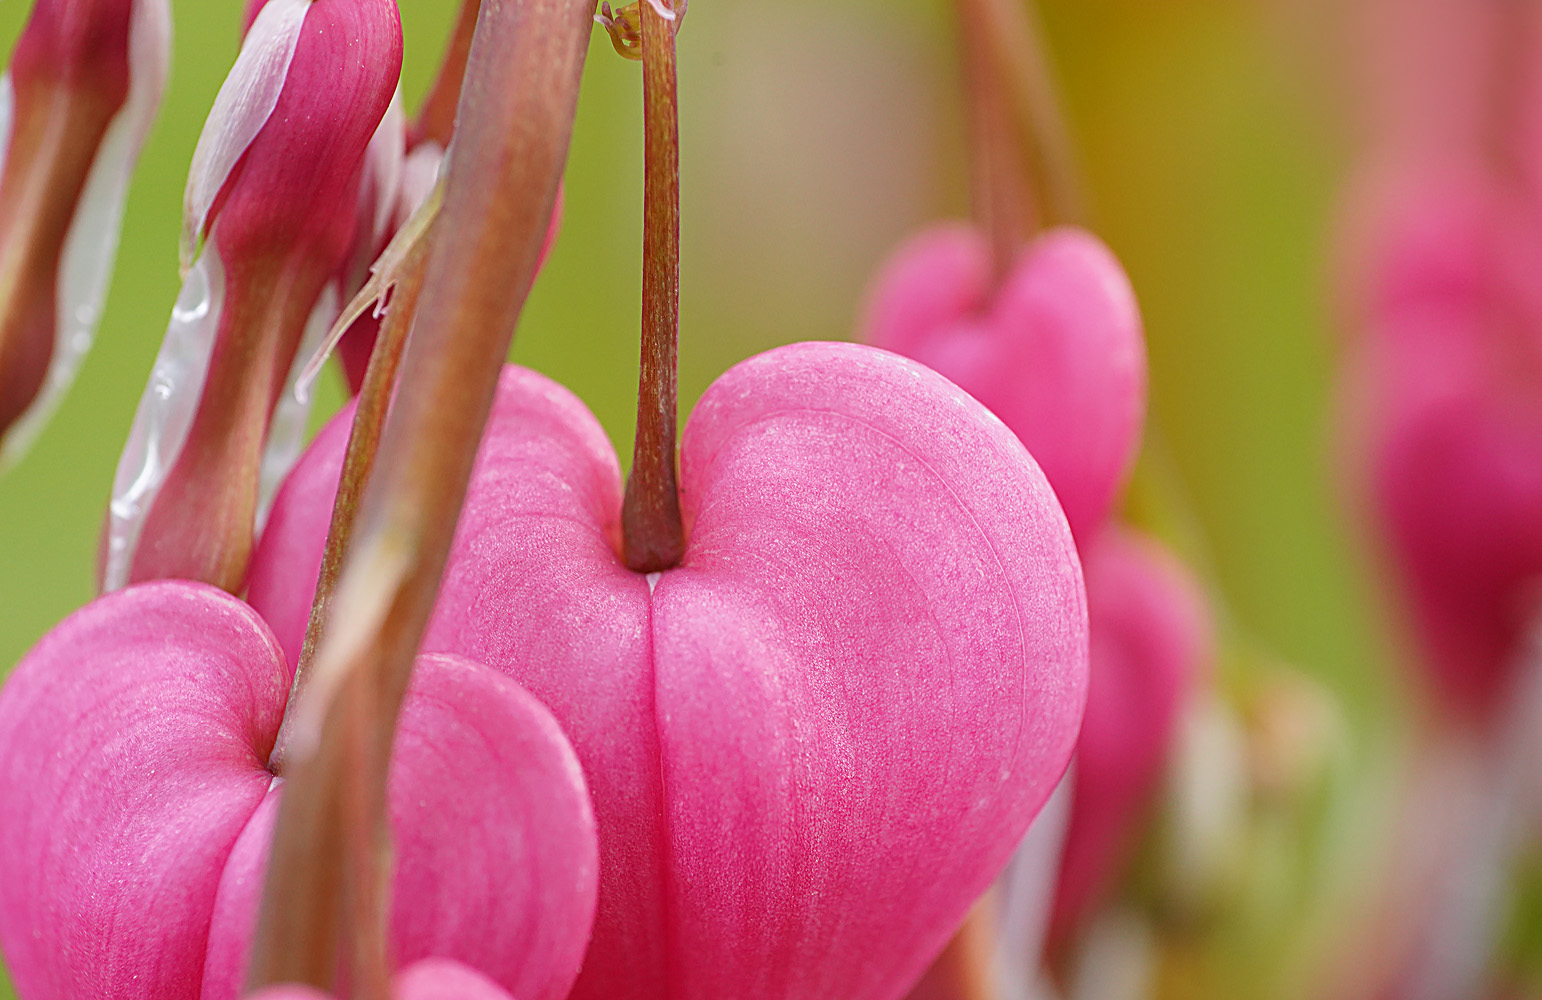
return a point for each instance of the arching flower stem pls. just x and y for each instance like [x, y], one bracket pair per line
[358, 463]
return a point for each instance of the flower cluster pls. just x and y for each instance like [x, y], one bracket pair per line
[865, 681]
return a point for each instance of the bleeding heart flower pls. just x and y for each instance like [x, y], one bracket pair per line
[1445, 391]
[134, 746]
[75, 107]
[272, 195]
[1056, 351]
[817, 740]
[1151, 642]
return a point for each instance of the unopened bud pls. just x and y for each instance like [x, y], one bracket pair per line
[75, 108]
[270, 213]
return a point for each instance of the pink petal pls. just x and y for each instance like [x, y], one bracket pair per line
[136, 739]
[869, 675]
[1151, 642]
[1057, 353]
[870, 672]
[493, 836]
[1444, 418]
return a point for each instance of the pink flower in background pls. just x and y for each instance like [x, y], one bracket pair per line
[1151, 640]
[269, 217]
[817, 740]
[135, 778]
[1446, 403]
[76, 106]
[1056, 351]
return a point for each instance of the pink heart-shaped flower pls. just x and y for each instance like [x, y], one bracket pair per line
[134, 742]
[1151, 643]
[1056, 351]
[1445, 407]
[817, 740]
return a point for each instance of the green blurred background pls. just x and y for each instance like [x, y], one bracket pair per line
[1214, 135]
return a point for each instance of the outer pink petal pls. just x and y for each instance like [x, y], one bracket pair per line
[494, 840]
[1058, 353]
[1151, 642]
[936, 280]
[893, 585]
[871, 670]
[133, 748]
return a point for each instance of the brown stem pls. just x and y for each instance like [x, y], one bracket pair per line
[1003, 201]
[358, 463]
[515, 122]
[653, 538]
[1022, 148]
[436, 118]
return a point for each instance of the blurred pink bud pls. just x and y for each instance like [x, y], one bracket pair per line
[1151, 644]
[272, 197]
[1446, 419]
[75, 108]
[1056, 351]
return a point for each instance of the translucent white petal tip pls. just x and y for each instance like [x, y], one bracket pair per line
[165, 414]
[243, 106]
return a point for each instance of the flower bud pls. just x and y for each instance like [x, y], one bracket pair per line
[1151, 644]
[75, 108]
[1444, 400]
[268, 220]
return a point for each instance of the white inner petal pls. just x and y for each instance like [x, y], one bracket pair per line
[1027, 897]
[383, 172]
[244, 105]
[166, 411]
[7, 116]
[91, 245]
[420, 173]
